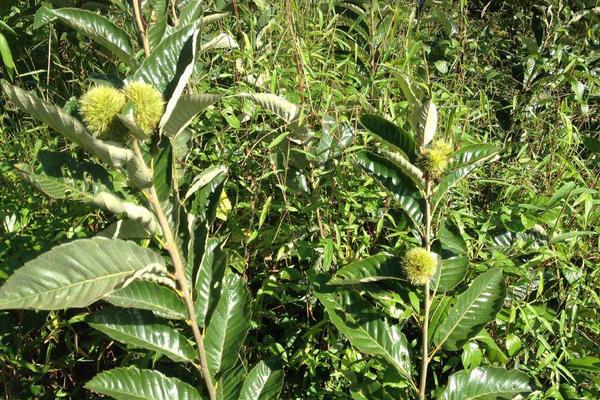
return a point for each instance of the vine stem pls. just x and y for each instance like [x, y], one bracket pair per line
[171, 247]
[427, 300]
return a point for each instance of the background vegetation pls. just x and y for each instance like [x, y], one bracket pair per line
[523, 75]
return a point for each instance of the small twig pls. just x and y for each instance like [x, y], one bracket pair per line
[141, 28]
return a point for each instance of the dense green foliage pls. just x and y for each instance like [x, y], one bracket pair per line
[296, 193]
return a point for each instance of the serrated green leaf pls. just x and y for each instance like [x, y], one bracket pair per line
[264, 382]
[463, 161]
[425, 123]
[366, 331]
[474, 308]
[160, 68]
[486, 383]
[188, 106]
[371, 269]
[408, 169]
[96, 27]
[209, 280]
[149, 296]
[142, 329]
[449, 274]
[228, 325]
[68, 126]
[141, 384]
[390, 133]
[230, 383]
[278, 105]
[402, 188]
[77, 274]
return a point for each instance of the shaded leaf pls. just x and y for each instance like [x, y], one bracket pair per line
[142, 329]
[149, 296]
[264, 382]
[390, 133]
[371, 269]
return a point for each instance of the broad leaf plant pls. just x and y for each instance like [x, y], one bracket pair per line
[174, 296]
[418, 170]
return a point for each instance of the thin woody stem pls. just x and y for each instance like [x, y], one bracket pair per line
[141, 28]
[172, 249]
[427, 300]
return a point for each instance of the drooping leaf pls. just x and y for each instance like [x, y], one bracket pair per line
[474, 308]
[87, 192]
[228, 325]
[210, 174]
[371, 269]
[149, 296]
[160, 69]
[190, 11]
[188, 106]
[486, 383]
[287, 111]
[409, 170]
[141, 384]
[142, 329]
[125, 229]
[264, 382]
[221, 40]
[470, 154]
[366, 331]
[77, 274]
[402, 188]
[390, 133]
[65, 124]
[96, 27]
[449, 273]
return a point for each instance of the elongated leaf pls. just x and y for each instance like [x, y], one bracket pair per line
[470, 154]
[65, 124]
[408, 169]
[450, 273]
[7, 57]
[96, 27]
[395, 182]
[188, 106]
[209, 280]
[210, 174]
[228, 325]
[142, 329]
[149, 296]
[367, 332]
[486, 383]
[190, 12]
[125, 229]
[390, 133]
[463, 161]
[88, 192]
[426, 123]
[160, 68]
[278, 105]
[371, 269]
[141, 384]
[76, 274]
[474, 308]
[264, 382]
[156, 15]
[184, 71]
[591, 143]
[230, 384]
[220, 41]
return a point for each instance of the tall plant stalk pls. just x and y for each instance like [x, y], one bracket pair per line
[170, 244]
[171, 247]
[427, 300]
